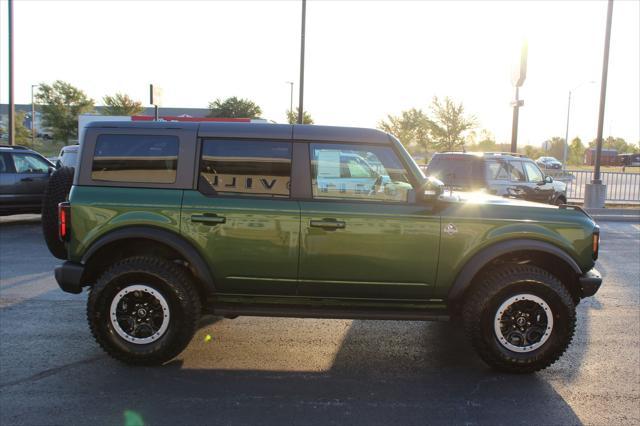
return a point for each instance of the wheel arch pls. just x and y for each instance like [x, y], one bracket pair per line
[543, 254]
[135, 240]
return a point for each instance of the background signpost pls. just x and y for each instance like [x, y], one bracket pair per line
[155, 95]
[517, 80]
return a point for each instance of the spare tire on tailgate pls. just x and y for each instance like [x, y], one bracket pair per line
[56, 192]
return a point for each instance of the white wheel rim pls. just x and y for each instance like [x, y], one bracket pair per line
[499, 324]
[147, 291]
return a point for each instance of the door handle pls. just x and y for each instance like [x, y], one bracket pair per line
[208, 219]
[328, 224]
[26, 180]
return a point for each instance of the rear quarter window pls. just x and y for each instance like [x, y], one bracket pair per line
[135, 158]
[463, 171]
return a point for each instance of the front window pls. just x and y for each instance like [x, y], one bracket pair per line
[29, 163]
[533, 172]
[355, 172]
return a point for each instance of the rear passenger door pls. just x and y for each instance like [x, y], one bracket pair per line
[242, 218]
[369, 239]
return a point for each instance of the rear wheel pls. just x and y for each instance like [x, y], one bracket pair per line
[143, 310]
[520, 318]
[56, 192]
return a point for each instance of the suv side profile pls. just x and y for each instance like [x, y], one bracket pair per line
[503, 174]
[23, 178]
[168, 221]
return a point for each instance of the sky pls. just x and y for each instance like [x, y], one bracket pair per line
[364, 59]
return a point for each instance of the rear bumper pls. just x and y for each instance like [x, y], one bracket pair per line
[69, 277]
[590, 282]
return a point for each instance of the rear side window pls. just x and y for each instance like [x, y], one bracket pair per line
[256, 168]
[517, 172]
[135, 158]
[497, 170]
[457, 170]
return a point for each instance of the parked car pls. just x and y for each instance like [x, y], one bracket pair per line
[166, 222]
[503, 174]
[23, 178]
[549, 163]
[629, 160]
[68, 156]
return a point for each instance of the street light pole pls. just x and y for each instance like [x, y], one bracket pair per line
[33, 116]
[595, 193]
[291, 96]
[301, 97]
[566, 134]
[12, 104]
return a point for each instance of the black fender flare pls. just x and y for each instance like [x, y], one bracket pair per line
[201, 270]
[464, 278]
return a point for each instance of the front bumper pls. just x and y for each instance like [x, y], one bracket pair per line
[69, 276]
[590, 282]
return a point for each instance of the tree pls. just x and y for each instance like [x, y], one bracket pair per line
[486, 142]
[61, 104]
[449, 124]
[554, 147]
[292, 117]
[411, 128]
[618, 144]
[576, 152]
[23, 135]
[234, 108]
[121, 104]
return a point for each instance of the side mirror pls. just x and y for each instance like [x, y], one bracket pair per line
[51, 170]
[431, 189]
[548, 179]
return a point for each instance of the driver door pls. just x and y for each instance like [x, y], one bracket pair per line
[32, 175]
[540, 190]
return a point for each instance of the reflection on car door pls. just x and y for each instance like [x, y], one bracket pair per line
[372, 244]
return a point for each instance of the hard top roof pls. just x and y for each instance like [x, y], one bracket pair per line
[300, 132]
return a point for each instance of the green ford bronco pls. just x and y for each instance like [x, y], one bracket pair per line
[165, 222]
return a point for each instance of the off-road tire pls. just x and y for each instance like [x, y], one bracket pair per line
[56, 192]
[495, 287]
[175, 285]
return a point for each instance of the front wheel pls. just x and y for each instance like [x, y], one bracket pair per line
[143, 310]
[520, 318]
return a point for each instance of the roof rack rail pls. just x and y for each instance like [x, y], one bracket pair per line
[514, 154]
[13, 146]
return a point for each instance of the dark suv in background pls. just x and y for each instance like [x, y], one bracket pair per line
[23, 178]
[503, 174]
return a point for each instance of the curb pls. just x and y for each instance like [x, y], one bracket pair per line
[20, 219]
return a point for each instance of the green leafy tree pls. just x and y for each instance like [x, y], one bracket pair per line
[485, 142]
[619, 144]
[532, 151]
[61, 104]
[411, 127]
[23, 135]
[292, 117]
[234, 108]
[121, 104]
[576, 152]
[554, 147]
[449, 124]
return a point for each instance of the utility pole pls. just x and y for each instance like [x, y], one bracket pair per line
[12, 104]
[33, 116]
[596, 192]
[517, 80]
[290, 83]
[301, 97]
[566, 134]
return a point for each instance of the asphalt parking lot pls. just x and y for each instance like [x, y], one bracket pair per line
[293, 371]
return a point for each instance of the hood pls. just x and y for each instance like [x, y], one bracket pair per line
[482, 198]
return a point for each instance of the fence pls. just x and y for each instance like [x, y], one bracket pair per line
[621, 187]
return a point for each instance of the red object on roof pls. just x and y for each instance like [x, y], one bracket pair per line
[178, 118]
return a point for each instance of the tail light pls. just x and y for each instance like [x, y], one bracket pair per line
[64, 221]
[596, 242]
